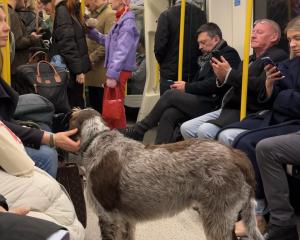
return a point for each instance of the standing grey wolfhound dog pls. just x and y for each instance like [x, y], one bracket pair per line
[128, 182]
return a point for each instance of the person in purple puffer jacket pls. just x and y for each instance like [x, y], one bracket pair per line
[120, 50]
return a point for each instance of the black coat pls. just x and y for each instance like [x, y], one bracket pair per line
[167, 41]
[15, 227]
[256, 82]
[68, 40]
[204, 82]
[8, 102]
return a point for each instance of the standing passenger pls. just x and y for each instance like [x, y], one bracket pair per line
[120, 48]
[95, 79]
[68, 42]
[166, 46]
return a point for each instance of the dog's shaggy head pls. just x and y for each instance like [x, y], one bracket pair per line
[81, 115]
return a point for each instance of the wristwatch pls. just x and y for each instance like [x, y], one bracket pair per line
[51, 141]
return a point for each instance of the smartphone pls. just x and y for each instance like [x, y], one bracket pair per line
[216, 54]
[267, 60]
[170, 81]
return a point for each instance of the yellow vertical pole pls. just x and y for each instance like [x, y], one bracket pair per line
[82, 7]
[246, 59]
[181, 40]
[6, 53]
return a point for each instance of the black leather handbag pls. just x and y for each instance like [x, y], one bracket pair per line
[68, 175]
[44, 79]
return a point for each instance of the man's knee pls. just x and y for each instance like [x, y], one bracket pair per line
[263, 149]
[187, 131]
[207, 131]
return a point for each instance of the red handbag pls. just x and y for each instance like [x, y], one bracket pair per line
[113, 106]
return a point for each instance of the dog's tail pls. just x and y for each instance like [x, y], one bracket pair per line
[243, 163]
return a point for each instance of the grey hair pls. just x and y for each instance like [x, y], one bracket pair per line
[273, 24]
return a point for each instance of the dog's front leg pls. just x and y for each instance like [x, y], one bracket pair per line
[127, 230]
[108, 229]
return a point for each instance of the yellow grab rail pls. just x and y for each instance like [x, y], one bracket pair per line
[181, 40]
[5, 51]
[246, 59]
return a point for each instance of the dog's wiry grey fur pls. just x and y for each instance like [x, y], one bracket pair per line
[128, 182]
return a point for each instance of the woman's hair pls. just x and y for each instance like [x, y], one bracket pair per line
[294, 24]
[73, 7]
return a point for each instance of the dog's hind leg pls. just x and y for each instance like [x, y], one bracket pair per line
[248, 216]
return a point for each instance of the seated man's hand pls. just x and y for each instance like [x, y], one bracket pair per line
[179, 85]
[221, 68]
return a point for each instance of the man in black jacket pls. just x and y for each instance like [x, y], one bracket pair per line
[166, 46]
[187, 100]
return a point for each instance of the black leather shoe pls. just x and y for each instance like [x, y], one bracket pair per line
[130, 132]
[275, 232]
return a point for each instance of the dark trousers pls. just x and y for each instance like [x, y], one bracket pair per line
[75, 93]
[15, 227]
[272, 156]
[175, 107]
[248, 140]
[96, 98]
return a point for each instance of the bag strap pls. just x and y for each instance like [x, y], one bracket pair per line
[32, 58]
[57, 77]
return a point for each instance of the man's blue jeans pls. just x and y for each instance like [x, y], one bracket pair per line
[45, 158]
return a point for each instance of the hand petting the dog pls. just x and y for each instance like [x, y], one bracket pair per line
[62, 140]
[111, 83]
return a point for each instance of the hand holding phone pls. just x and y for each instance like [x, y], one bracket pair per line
[268, 61]
[216, 54]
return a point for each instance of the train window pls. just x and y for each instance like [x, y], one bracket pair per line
[281, 11]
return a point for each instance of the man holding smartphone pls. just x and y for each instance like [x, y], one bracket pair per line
[186, 100]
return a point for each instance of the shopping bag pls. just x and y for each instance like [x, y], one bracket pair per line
[113, 106]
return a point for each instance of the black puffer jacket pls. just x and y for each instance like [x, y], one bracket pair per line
[68, 40]
[167, 41]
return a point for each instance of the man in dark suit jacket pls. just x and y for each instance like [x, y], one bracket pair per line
[187, 100]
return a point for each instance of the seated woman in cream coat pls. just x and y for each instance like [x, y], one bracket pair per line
[24, 185]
